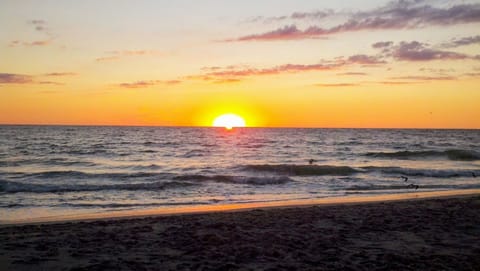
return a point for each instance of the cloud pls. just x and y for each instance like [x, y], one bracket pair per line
[462, 42]
[39, 26]
[50, 83]
[235, 73]
[400, 14]
[107, 58]
[288, 32]
[11, 78]
[117, 55]
[382, 44]
[352, 73]
[416, 51]
[60, 74]
[425, 78]
[337, 85]
[139, 84]
[366, 60]
[314, 15]
[397, 82]
[16, 43]
[148, 83]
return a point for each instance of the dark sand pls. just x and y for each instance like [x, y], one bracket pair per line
[427, 234]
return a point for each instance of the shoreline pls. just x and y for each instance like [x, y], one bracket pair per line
[423, 233]
[240, 207]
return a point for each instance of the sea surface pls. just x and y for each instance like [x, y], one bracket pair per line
[57, 170]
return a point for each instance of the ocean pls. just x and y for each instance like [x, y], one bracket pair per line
[50, 171]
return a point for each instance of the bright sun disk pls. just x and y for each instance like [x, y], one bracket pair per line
[229, 121]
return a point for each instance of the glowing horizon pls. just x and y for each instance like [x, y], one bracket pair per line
[293, 64]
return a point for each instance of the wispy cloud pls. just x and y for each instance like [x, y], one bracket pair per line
[39, 26]
[50, 83]
[235, 73]
[417, 51]
[313, 15]
[117, 55]
[462, 42]
[148, 83]
[425, 78]
[397, 82]
[338, 85]
[16, 43]
[11, 78]
[401, 14]
[353, 73]
[60, 74]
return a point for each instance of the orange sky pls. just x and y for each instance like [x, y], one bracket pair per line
[275, 63]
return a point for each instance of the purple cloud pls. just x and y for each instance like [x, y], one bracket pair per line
[401, 14]
[365, 60]
[382, 44]
[10, 78]
[462, 42]
[416, 51]
[352, 73]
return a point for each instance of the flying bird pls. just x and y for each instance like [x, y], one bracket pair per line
[404, 178]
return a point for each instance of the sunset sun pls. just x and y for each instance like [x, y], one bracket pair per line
[229, 121]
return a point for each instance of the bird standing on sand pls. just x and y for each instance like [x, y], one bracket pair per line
[404, 178]
[311, 161]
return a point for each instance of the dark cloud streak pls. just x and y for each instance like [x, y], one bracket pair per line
[401, 14]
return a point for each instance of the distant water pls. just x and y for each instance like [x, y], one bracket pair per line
[52, 170]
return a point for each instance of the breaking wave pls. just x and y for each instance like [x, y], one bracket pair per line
[237, 179]
[17, 187]
[455, 155]
[435, 173]
[303, 170]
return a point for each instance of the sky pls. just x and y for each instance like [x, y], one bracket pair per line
[276, 63]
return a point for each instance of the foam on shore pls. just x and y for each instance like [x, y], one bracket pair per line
[196, 209]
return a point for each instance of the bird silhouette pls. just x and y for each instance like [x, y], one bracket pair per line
[413, 186]
[404, 178]
[311, 161]
[474, 175]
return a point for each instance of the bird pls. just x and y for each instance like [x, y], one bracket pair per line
[474, 175]
[404, 178]
[311, 161]
[413, 186]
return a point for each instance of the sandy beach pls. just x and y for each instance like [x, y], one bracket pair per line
[422, 234]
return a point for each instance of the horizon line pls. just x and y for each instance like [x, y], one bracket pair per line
[247, 127]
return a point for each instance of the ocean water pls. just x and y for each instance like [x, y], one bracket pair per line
[57, 170]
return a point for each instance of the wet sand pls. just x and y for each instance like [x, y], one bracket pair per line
[421, 234]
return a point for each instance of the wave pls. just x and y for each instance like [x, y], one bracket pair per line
[303, 170]
[17, 187]
[237, 179]
[85, 175]
[455, 155]
[406, 188]
[434, 173]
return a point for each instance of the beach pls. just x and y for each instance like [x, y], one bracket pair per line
[417, 234]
